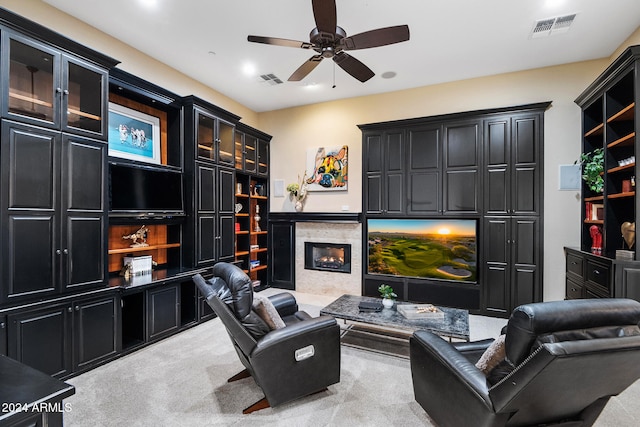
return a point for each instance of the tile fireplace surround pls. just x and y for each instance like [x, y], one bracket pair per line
[327, 282]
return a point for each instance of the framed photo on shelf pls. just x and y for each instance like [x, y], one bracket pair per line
[597, 211]
[133, 135]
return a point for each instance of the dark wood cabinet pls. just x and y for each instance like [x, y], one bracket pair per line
[484, 165]
[54, 211]
[95, 326]
[41, 338]
[211, 149]
[384, 180]
[282, 247]
[163, 312]
[214, 225]
[511, 266]
[59, 339]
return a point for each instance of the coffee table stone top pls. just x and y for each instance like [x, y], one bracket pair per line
[455, 323]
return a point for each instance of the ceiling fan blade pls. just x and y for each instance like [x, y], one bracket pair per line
[354, 67]
[280, 42]
[375, 38]
[324, 12]
[305, 68]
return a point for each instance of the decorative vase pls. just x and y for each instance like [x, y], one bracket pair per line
[387, 302]
[298, 206]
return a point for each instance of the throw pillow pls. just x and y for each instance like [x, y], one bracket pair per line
[492, 356]
[267, 312]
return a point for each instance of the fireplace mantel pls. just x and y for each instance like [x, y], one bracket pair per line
[343, 217]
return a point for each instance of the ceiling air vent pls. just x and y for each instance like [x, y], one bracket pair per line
[557, 25]
[272, 79]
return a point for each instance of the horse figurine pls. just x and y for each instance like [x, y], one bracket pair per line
[140, 234]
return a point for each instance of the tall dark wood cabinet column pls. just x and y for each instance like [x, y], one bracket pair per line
[53, 204]
[210, 174]
[484, 165]
[512, 200]
[384, 180]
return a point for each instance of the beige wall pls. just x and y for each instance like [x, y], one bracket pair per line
[334, 123]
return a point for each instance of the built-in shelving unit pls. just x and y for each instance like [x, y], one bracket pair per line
[605, 264]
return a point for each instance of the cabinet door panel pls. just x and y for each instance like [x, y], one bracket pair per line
[374, 193]
[226, 238]
[525, 140]
[206, 233]
[461, 191]
[627, 283]
[497, 288]
[282, 254]
[206, 189]
[525, 240]
[83, 174]
[31, 263]
[424, 149]
[524, 286]
[462, 143]
[95, 335]
[164, 316]
[496, 190]
[395, 193]
[40, 339]
[425, 192]
[29, 167]
[497, 269]
[394, 152]
[84, 251]
[373, 144]
[497, 142]
[525, 190]
[226, 191]
[87, 98]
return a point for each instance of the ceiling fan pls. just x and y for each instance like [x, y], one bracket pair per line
[331, 41]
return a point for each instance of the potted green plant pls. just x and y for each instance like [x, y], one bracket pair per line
[387, 294]
[592, 169]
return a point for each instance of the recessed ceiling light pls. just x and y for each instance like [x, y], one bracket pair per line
[149, 4]
[388, 75]
[249, 69]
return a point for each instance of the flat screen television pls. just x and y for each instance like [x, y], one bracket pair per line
[441, 249]
[144, 191]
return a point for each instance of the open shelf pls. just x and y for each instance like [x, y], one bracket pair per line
[622, 168]
[143, 248]
[626, 141]
[621, 195]
[598, 130]
[625, 114]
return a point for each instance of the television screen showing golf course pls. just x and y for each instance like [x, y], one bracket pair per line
[429, 248]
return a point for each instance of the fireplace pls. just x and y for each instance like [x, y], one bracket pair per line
[335, 257]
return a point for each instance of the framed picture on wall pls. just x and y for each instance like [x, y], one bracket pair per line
[133, 135]
[327, 168]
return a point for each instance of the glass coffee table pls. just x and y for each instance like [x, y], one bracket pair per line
[387, 331]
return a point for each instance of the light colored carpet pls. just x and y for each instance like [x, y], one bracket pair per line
[181, 381]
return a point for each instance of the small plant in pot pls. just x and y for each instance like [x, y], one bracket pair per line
[592, 164]
[387, 294]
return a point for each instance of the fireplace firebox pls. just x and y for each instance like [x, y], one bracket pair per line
[334, 257]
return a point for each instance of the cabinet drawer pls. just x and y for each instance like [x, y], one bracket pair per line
[575, 265]
[573, 290]
[598, 274]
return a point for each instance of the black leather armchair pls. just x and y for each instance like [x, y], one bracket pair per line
[297, 360]
[564, 361]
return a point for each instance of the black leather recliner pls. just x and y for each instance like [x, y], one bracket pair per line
[564, 361]
[287, 363]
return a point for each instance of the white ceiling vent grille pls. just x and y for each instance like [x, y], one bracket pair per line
[557, 25]
[272, 79]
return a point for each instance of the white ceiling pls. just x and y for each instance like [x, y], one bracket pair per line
[450, 40]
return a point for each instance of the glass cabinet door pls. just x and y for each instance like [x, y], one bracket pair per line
[239, 138]
[226, 143]
[33, 72]
[205, 137]
[250, 153]
[263, 157]
[84, 97]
